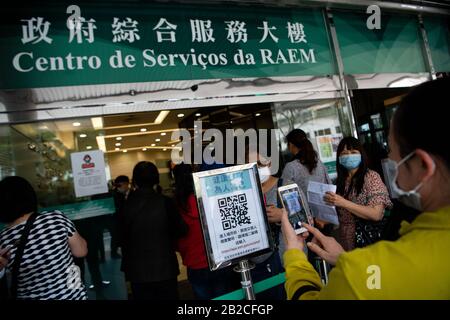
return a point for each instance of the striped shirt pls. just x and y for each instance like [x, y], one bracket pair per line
[47, 270]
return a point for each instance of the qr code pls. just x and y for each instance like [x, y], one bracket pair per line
[234, 211]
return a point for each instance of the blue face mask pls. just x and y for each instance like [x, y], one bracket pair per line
[351, 161]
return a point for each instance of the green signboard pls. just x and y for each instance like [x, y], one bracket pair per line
[439, 41]
[49, 47]
[396, 47]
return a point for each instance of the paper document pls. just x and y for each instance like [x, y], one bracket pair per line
[319, 209]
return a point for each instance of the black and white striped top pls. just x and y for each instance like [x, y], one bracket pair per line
[47, 270]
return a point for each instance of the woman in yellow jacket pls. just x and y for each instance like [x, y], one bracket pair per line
[417, 265]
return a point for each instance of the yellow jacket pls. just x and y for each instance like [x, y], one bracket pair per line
[416, 266]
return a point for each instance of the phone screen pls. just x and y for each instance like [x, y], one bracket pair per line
[293, 205]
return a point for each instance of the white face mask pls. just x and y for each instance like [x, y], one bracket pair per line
[264, 173]
[409, 198]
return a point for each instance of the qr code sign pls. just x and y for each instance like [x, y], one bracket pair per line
[234, 211]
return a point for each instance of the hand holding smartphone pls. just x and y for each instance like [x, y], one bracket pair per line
[295, 204]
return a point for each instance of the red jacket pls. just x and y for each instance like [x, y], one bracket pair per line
[191, 247]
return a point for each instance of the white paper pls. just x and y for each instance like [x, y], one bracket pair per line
[89, 174]
[319, 208]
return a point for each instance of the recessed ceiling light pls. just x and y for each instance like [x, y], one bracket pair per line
[97, 123]
[195, 126]
[124, 151]
[89, 147]
[118, 144]
[231, 121]
[157, 140]
[173, 145]
[83, 135]
[143, 130]
[153, 144]
[119, 138]
[144, 149]
[180, 115]
[76, 124]
[198, 114]
[257, 115]
[165, 149]
[117, 149]
[163, 133]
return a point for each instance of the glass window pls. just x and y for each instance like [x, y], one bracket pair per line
[324, 117]
[40, 152]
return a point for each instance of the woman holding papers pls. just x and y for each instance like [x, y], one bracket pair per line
[361, 197]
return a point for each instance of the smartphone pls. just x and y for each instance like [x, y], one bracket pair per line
[295, 204]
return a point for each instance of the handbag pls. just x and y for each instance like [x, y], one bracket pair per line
[368, 232]
[11, 293]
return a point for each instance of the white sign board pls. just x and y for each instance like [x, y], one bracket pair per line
[89, 174]
[233, 216]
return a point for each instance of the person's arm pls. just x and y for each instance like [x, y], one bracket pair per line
[78, 245]
[374, 213]
[327, 176]
[377, 199]
[302, 280]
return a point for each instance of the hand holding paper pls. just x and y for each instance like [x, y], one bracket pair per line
[319, 207]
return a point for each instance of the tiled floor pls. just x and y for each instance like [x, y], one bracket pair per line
[117, 289]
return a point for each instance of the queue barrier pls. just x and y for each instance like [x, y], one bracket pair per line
[258, 287]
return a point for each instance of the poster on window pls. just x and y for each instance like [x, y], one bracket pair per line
[327, 146]
[89, 174]
[233, 216]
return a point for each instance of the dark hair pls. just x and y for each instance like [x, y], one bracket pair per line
[421, 121]
[17, 197]
[184, 184]
[307, 155]
[121, 179]
[145, 175]
[357, 182]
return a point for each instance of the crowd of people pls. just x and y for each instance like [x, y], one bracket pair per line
[151, 227]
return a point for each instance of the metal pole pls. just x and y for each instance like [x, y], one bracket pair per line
[325, 272]
[244, 268]
[340, 68]
[322, 269]
[426, 49]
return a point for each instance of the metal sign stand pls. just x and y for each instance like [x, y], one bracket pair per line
[244, 268]
[322, 269]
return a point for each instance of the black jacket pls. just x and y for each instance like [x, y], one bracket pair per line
[150, 225]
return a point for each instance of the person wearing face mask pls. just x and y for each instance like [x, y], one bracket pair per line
[361, 197]
[416, 265]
